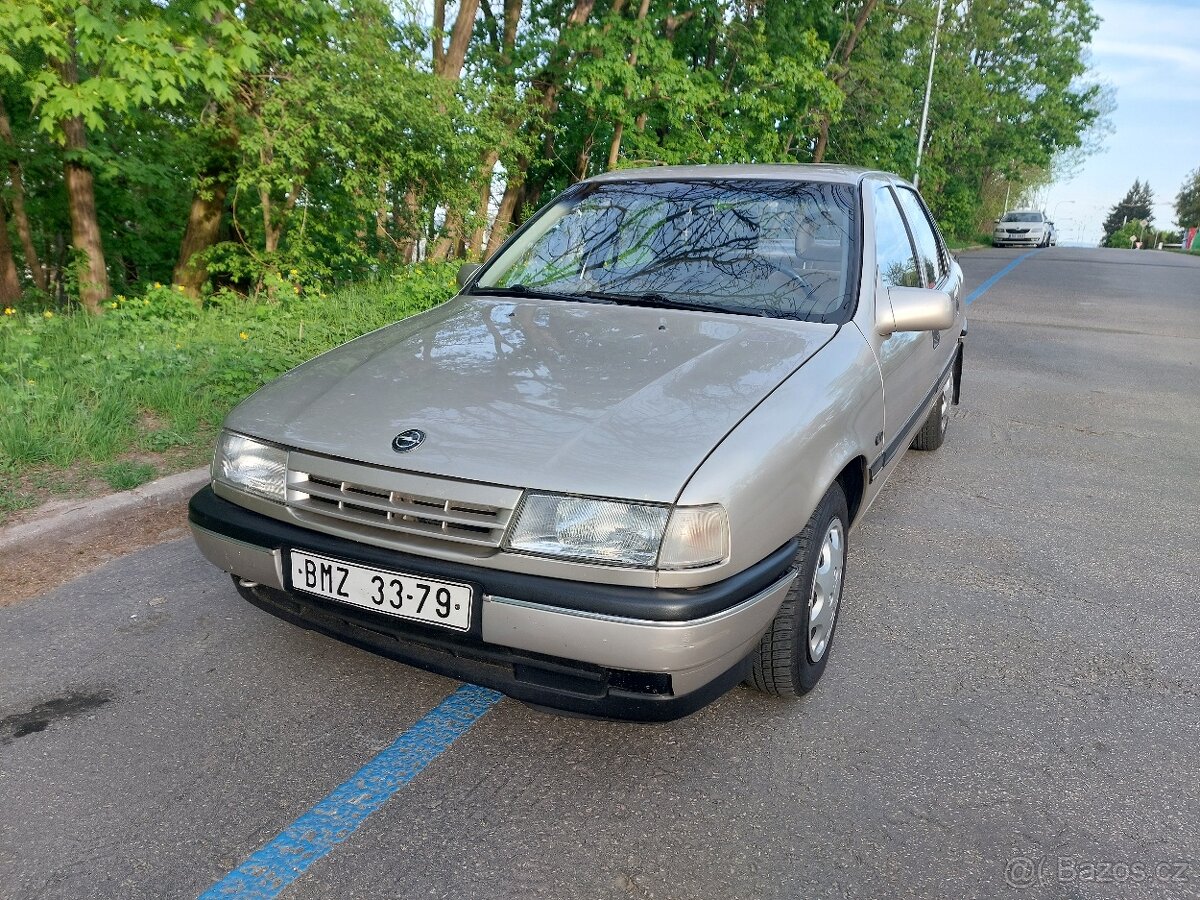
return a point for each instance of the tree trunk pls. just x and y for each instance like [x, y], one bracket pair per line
[81, 201]
[614, 147]
[24, 232]
[10, 284]
[439, 28]
[85, 226]
[448, 65]
[460, 37]
[203, 229]
[270, 235]
[822, 139]
[584, 160]
[487, 167]
[504, 216]
[840, 62]
[406, 218]
[543, 93]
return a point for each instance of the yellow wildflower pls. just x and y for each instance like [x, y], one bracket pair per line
[157, 284]
[295, 273]
[30, 381]
[296, 289]
[121, 297]
[181, 288]
[48, 314]
[145, 303]
[9, 311]
[112, 305]
[244, 336]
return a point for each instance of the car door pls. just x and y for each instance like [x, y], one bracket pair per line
[936, 349]
[902, 355]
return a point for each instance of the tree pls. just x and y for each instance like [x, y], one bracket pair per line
[8, 146]
[278, 143]
[1127, 236]
[1137, 204]
[103, 59]
[1187, 201]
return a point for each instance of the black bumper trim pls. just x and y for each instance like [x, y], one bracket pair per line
[221, 517]
[560, 685]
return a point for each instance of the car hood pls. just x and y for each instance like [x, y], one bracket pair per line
[613, 401]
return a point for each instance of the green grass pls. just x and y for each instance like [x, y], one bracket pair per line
[125, 475]
[156, 374]
[13, 501]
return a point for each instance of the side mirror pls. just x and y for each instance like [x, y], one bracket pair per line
[915, 309]
[996, 221]
[466, 272]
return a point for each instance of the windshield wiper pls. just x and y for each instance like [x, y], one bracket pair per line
[523, 290]
[662, 301]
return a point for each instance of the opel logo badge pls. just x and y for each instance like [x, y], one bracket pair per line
[408, 440]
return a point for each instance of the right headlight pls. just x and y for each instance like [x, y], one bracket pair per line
[251, 466]
[621, 533]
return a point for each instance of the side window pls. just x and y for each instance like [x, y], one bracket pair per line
[893, 249]
[933, 264]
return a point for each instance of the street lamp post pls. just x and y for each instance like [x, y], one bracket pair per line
[1054, 212]
[937, 24]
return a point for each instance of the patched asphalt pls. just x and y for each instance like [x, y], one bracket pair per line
[1012, 707]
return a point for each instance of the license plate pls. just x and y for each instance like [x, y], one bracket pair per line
[397, 594]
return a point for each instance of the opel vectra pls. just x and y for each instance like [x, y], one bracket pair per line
[617, 473]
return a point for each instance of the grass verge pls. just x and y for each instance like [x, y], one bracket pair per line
[89, 403]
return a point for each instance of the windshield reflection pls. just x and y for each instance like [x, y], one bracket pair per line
[761, 247]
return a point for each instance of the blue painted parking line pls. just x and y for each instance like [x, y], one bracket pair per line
[339, 815]
[983, 288]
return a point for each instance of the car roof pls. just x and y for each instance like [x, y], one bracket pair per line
[776, 172]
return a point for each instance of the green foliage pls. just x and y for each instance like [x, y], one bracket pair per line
[158, 373]
[1137, 207]
[131, 54]
[1009, 99]
[333, 149]
[1187, 201]
[1127, 236]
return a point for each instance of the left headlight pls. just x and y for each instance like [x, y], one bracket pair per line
[621, 533]
[250, 466]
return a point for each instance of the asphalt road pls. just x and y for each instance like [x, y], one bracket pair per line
[1014, 696]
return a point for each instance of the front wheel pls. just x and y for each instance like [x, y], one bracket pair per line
[791, 656]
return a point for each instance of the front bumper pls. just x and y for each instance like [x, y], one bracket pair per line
[617, 652]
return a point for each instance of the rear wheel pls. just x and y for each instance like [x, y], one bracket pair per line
[791, 656]
[933, 432]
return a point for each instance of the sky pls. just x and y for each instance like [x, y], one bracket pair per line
[1149, 53]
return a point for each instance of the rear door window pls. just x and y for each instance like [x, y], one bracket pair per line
[929, 248]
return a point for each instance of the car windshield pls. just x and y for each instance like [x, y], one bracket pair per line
[1022, 217]
[753, 247]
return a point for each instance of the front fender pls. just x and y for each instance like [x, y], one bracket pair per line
[771, 471]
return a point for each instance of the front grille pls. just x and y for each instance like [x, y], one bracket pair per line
[1018, 231]
[398, 504]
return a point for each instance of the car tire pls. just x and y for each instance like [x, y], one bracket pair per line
[790, 658]
[933, 432]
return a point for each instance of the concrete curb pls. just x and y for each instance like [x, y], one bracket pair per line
[61, 519]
